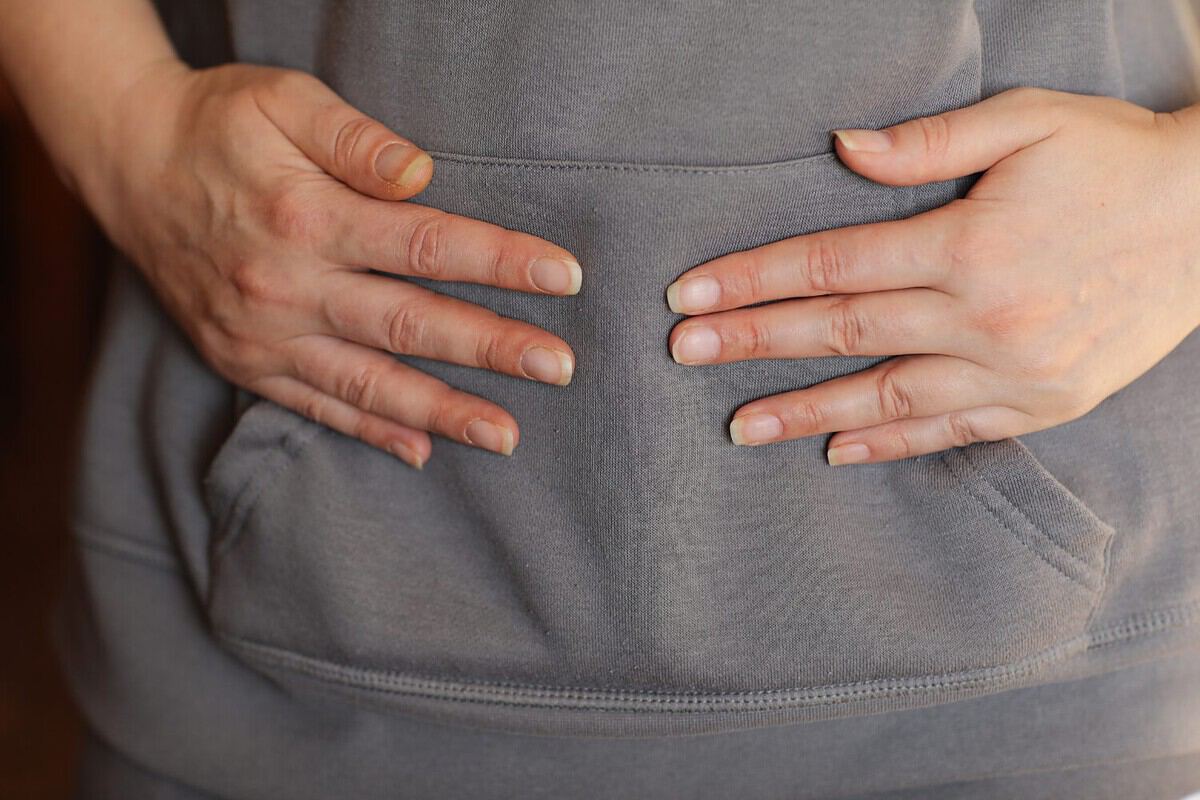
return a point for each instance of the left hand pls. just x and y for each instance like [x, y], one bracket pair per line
[1070, 268]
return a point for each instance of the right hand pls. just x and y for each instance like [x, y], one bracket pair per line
[255, 201]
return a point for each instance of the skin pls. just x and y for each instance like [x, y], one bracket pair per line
[255, 201]
[1070, 269]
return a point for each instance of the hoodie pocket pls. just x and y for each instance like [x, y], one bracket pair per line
[628, 558]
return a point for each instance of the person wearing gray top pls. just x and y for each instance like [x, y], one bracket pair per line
[814, 387]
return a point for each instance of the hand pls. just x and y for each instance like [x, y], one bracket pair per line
[256, 202]
[1071, 267]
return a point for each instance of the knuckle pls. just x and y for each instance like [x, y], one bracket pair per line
[424, 245]
[752, 338]
[1004, 318]
[490, 350]
[968, 245]
[808, 415]
[440, 412]
[962, 431]
[314, 407]
[935, 134]
[894, 398]
[500, 256]
[293, 217]
[361, 387]
[825, 265]
[347, 143]
[901, 444]
[406, 327]
[747, 281]
[847, 328]
[255, 282]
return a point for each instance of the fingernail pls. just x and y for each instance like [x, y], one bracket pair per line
[405, 454]
[484, 434]
[693, 294]
[865, 141]
[755, 428]
[696, 345]
[848, 454]
[397, 164]
[546, 365]
[556, 276]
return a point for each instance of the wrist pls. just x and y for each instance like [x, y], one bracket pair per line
[120, 128]
[1183, 126]
[128, 142]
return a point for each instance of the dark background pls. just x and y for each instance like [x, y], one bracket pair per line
[51, 281]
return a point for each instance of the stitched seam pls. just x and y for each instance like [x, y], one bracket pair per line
[972, 489]
[1041, 556]
[620, 166]
[512, 694]
[1057, 545]
[1084, 566]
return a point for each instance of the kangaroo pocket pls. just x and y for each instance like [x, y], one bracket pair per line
[628, 557]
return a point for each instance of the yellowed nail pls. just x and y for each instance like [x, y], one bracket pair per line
[755, 428]
[417, 171]
[693, 294]
[484, 434]
[865, 141]
[406, 454]
[854, 453]
[556, 275]
[547, 365]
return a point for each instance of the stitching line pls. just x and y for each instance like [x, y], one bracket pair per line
[1073, 501]
[512, 694]
[619, 166]
[973, 489]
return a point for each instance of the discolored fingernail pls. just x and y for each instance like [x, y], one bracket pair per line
[848, 454]
[405, 454]
[546, 365]
[402, 165]
[556, 276]
[865, 141]
[697, 344]
[755, 428]
[484, 434]
[693, 294]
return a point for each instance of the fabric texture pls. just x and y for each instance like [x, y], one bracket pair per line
[629, 572]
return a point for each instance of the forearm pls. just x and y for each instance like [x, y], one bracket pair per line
[70, 63]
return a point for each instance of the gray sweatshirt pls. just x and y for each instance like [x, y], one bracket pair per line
[266, 608]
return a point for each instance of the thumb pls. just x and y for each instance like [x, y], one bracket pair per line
[352, 147]
[952, 144]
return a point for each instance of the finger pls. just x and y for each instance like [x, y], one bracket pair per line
[411, 239]
[955, 143]
[861, 258]
[876, 323]
[374, 382]
[899, 388]
[915, 437]
[401, 317]
[352, 147]
[408, 444]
